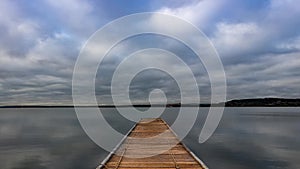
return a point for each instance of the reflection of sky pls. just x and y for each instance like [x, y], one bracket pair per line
[246, 138]
[51, 138]
[253, 138]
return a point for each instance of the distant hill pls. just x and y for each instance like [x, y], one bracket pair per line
[254, 102]
[264, 102]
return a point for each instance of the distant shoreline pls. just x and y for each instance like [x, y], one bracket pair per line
[256, 102]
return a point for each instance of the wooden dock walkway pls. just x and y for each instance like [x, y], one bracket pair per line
[151, 144]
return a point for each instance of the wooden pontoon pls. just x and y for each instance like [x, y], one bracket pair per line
[150, 144]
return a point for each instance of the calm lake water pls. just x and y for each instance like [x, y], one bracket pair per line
[266, 138]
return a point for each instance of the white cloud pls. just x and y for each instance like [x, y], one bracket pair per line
[199, 13]
[18, 33]
[236, 38]
[50, 51]
[75, 15]
[291, 44]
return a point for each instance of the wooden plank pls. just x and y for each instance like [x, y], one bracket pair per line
[146, 147]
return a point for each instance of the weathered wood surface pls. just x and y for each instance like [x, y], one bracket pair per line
[142, 150]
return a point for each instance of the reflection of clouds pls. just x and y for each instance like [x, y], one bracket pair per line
[9, 131]
[245, 138]
[252, 141]
[35, 138]
[287, 154]
[30, 163]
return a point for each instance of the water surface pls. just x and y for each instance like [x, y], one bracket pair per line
[52, 138]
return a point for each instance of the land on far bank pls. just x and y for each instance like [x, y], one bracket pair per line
[256, 102]
[264, 102]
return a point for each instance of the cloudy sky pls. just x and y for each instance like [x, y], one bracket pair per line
[258, 42]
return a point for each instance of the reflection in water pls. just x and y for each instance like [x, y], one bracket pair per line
[51, 136]
[252, 141]
[30, 163]
[246, 138]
